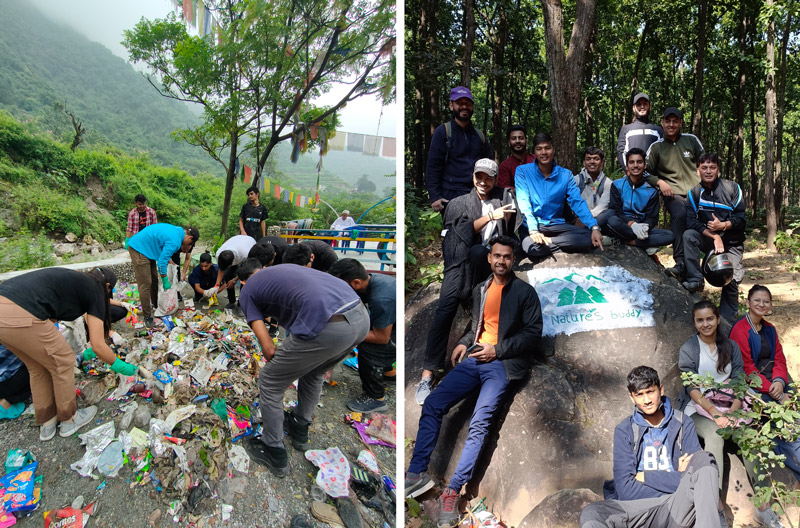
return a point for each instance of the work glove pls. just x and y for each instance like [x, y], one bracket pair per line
[88, 354]
[120, 367]
[165, 282]
[640, 230]
[125, 244]
[117, 339]
[210, 292]
[128, 307]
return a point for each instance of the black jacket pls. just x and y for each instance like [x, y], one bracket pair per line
[725, 201]
[520, 330]
[450, 171]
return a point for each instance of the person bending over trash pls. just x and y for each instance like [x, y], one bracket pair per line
[498, 349]
[203, 278]
[324, 319]
[29, 304]
[229, 255]
[662, 477]
[377, 352]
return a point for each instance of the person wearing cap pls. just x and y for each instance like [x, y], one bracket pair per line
[672, 163]
[518, 143]
[455, 147]
[715, 221]
[341, 223]
[542, 188]
[640, 133]
[150, 250]
[470, 221]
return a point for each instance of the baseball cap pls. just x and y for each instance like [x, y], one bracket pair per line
[640, 95]
[672, 111]
[486, 165]
[345, 212]
[460, 91]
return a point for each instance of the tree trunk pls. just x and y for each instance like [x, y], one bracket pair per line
[698, 69]
[769, 148]
[469, 42]
[635, 78]
[738, 109]
[565, 73]
[231, 178]
[753, 152]
[499, 75]
[780, 185]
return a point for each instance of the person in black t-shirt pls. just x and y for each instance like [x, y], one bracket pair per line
[252, 218]
[203, 278]
[29, 304]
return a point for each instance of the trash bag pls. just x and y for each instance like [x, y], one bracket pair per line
[168, 299]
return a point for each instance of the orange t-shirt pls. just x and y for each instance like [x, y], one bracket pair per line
[491, 314]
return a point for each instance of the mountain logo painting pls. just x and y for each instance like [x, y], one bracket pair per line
[595, 298]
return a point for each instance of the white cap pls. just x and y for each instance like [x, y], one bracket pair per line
[487, 166]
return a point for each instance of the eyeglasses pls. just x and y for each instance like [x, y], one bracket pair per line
[761, 301]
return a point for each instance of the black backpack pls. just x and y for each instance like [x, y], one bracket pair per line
[448, 130]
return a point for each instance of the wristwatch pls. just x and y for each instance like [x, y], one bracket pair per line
[595, 227]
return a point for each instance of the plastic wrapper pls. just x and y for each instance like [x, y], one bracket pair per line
[168, 299]
[179, 415]
[18, 486]
[383, 428]
[124, 386]
[130, 411]
[368, 461]
[96, 441]
[334, 470]
[183, 461]
[69, 517]
[74, 333]
[6, 518]
[240, 427]
[142, 417]
[239, 459]
[159, 428]
[17, 458]
[111, 459]
[126, 440]
[202, 371]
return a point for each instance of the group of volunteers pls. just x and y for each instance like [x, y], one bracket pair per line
[327, 307]
[531, 207]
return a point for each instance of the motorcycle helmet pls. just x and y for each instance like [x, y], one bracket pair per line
[717, 269]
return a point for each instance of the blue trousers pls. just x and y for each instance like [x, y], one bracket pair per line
[468, 376]
[617, 226]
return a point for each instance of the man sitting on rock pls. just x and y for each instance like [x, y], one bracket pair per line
[505, 333]
[662, 477]
[633, 208]
[715, 221]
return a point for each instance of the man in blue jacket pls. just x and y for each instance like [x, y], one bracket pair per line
[542, 188]
[455, 147]
[150, 250]
[662, 477]
[498, 349]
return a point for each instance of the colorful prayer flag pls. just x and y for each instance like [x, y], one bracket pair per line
[355, 142]
[371, 145]
[389, 147]
[277, 191]
[188, 12]
[201, 12]
[336, 140]
[286, 195]
[247, 173]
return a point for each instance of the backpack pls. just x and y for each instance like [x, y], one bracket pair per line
[448, 129]
[609, 488]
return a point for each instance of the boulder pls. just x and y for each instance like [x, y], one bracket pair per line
[62, 249]
[87, 239]
[555, 430]
[562, 509]
[71, 237]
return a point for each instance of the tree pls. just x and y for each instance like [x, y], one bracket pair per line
[769, 148]
[257, 80]
[565, 73]
[364, 185]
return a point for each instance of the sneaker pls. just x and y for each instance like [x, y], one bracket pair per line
[768, 518]
[424, 388]
[448, 508]
[676, 272]
[692, 286]
[47, 432]
[81, 418]
[297, 431]
[417, 484]
[651, 251]
[149, 322]
[274, 458]
[366, 404]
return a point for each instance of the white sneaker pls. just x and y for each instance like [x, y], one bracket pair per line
[47, 432]
[81, 418]
[424, 388]
[768, 518]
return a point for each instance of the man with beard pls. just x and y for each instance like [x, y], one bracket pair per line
[518, 143]
[497, 350]
[455, 146]
[470, 221]
[377, 352]
[641, 133]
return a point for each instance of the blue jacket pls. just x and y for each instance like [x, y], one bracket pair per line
[541, 199]
[158, 242]
[450, 173]
[723, 200]
[626, 462]
[639, 204]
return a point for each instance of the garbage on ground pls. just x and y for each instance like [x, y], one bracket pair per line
[19, 489]
[96, 441]
[378, 430]
[334, 470]
[69, 517]
[367, 460]
[17, 458]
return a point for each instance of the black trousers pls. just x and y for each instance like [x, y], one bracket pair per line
[17, 388]
[676, 205]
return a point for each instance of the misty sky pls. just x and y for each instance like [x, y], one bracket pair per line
[104, 21]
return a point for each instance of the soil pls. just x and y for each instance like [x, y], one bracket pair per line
[258, 498]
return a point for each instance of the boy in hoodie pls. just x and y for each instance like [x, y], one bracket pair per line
[662, 477]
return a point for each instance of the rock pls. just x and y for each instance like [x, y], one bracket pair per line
[95, 251]
[87, 239]
[562, 509]
[71, 237]
[556, 428]
[62, 249]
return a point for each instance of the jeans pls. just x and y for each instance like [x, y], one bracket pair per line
[568, 238]
[617, 226]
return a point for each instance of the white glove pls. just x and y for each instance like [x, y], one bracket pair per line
[640, 230]
[210, 292]
[127, 306]
[117, 339]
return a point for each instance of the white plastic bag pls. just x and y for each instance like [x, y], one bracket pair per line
[168, 299]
